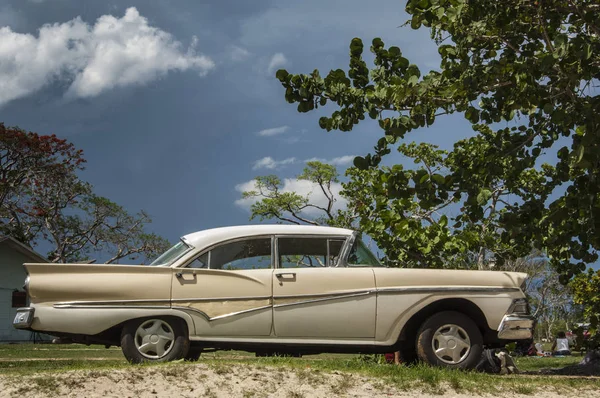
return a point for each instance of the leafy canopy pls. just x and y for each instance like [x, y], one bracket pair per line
[530, 67]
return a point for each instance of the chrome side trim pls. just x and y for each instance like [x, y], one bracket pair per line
[110, 306]
[332, 297]
[448, 289]
[192, 310]
[66, 304]
[292, 296]
[264, 307]
[202, 299]
[221, 316]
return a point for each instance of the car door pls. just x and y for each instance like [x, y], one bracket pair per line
[312, 298]
[228, 289]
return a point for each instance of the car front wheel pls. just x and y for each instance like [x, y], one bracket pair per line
[450, 339]
[154, 340]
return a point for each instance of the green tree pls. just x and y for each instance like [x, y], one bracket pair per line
[419, 217]
[271, 202]
[586, 287]
[42, 199]
[533, 64]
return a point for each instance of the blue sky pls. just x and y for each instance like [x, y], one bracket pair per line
[175, 103]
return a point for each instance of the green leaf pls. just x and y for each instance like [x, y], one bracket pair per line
[377, 43]
[443, 221]
[403, 62]
[438, 178]
[395, 51]
[579, 152]
[356, 47]
[281, 74]
[472, 115]
[587, 51]
[415, 22]
[360, 163]
[483, 196]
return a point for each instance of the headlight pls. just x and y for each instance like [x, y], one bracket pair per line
[519, 306]
[523, 285]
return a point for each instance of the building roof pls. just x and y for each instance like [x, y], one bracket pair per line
[23, 249]
[210, 237]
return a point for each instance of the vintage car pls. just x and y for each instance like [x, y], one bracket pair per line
[283, 289]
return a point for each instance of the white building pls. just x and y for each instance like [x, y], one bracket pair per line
[12, 277]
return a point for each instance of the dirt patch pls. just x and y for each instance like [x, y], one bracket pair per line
[217, 381]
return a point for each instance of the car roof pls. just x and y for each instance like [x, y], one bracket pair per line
[212, 236]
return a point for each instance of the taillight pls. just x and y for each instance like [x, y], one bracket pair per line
[26, 285]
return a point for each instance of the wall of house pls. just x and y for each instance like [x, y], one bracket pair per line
[12, 276]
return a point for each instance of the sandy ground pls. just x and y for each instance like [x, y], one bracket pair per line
[220, 381]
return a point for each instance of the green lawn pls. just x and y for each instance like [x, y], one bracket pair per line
[29, 359]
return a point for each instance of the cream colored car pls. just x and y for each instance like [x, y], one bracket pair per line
[277, 289]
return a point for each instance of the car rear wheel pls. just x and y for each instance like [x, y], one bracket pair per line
[154, 340]
[449, 339]
[193, 354]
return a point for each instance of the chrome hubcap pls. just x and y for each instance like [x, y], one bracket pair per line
[154, 338]
[451, 344]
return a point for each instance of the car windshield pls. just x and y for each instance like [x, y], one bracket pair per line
[168, 257]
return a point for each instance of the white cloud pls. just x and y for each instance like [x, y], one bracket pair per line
[301, 187]
[339, 161]
[114, 52]
[273, 131]
[269, 163]
[277, 61]
[238, 53]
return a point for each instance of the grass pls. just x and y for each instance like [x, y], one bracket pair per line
[537, 363]
[66, 351]
[43, 363]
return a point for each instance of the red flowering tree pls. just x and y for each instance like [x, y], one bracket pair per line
[42, 198]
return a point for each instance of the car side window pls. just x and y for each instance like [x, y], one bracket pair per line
[308, 252]
[199, 262]
[360, 255]
[335, 248]
[242, 255]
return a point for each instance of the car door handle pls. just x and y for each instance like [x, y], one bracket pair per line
[181, 274]
[290, 276]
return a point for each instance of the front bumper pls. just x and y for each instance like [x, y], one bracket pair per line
[516, 327]
[23, 318]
